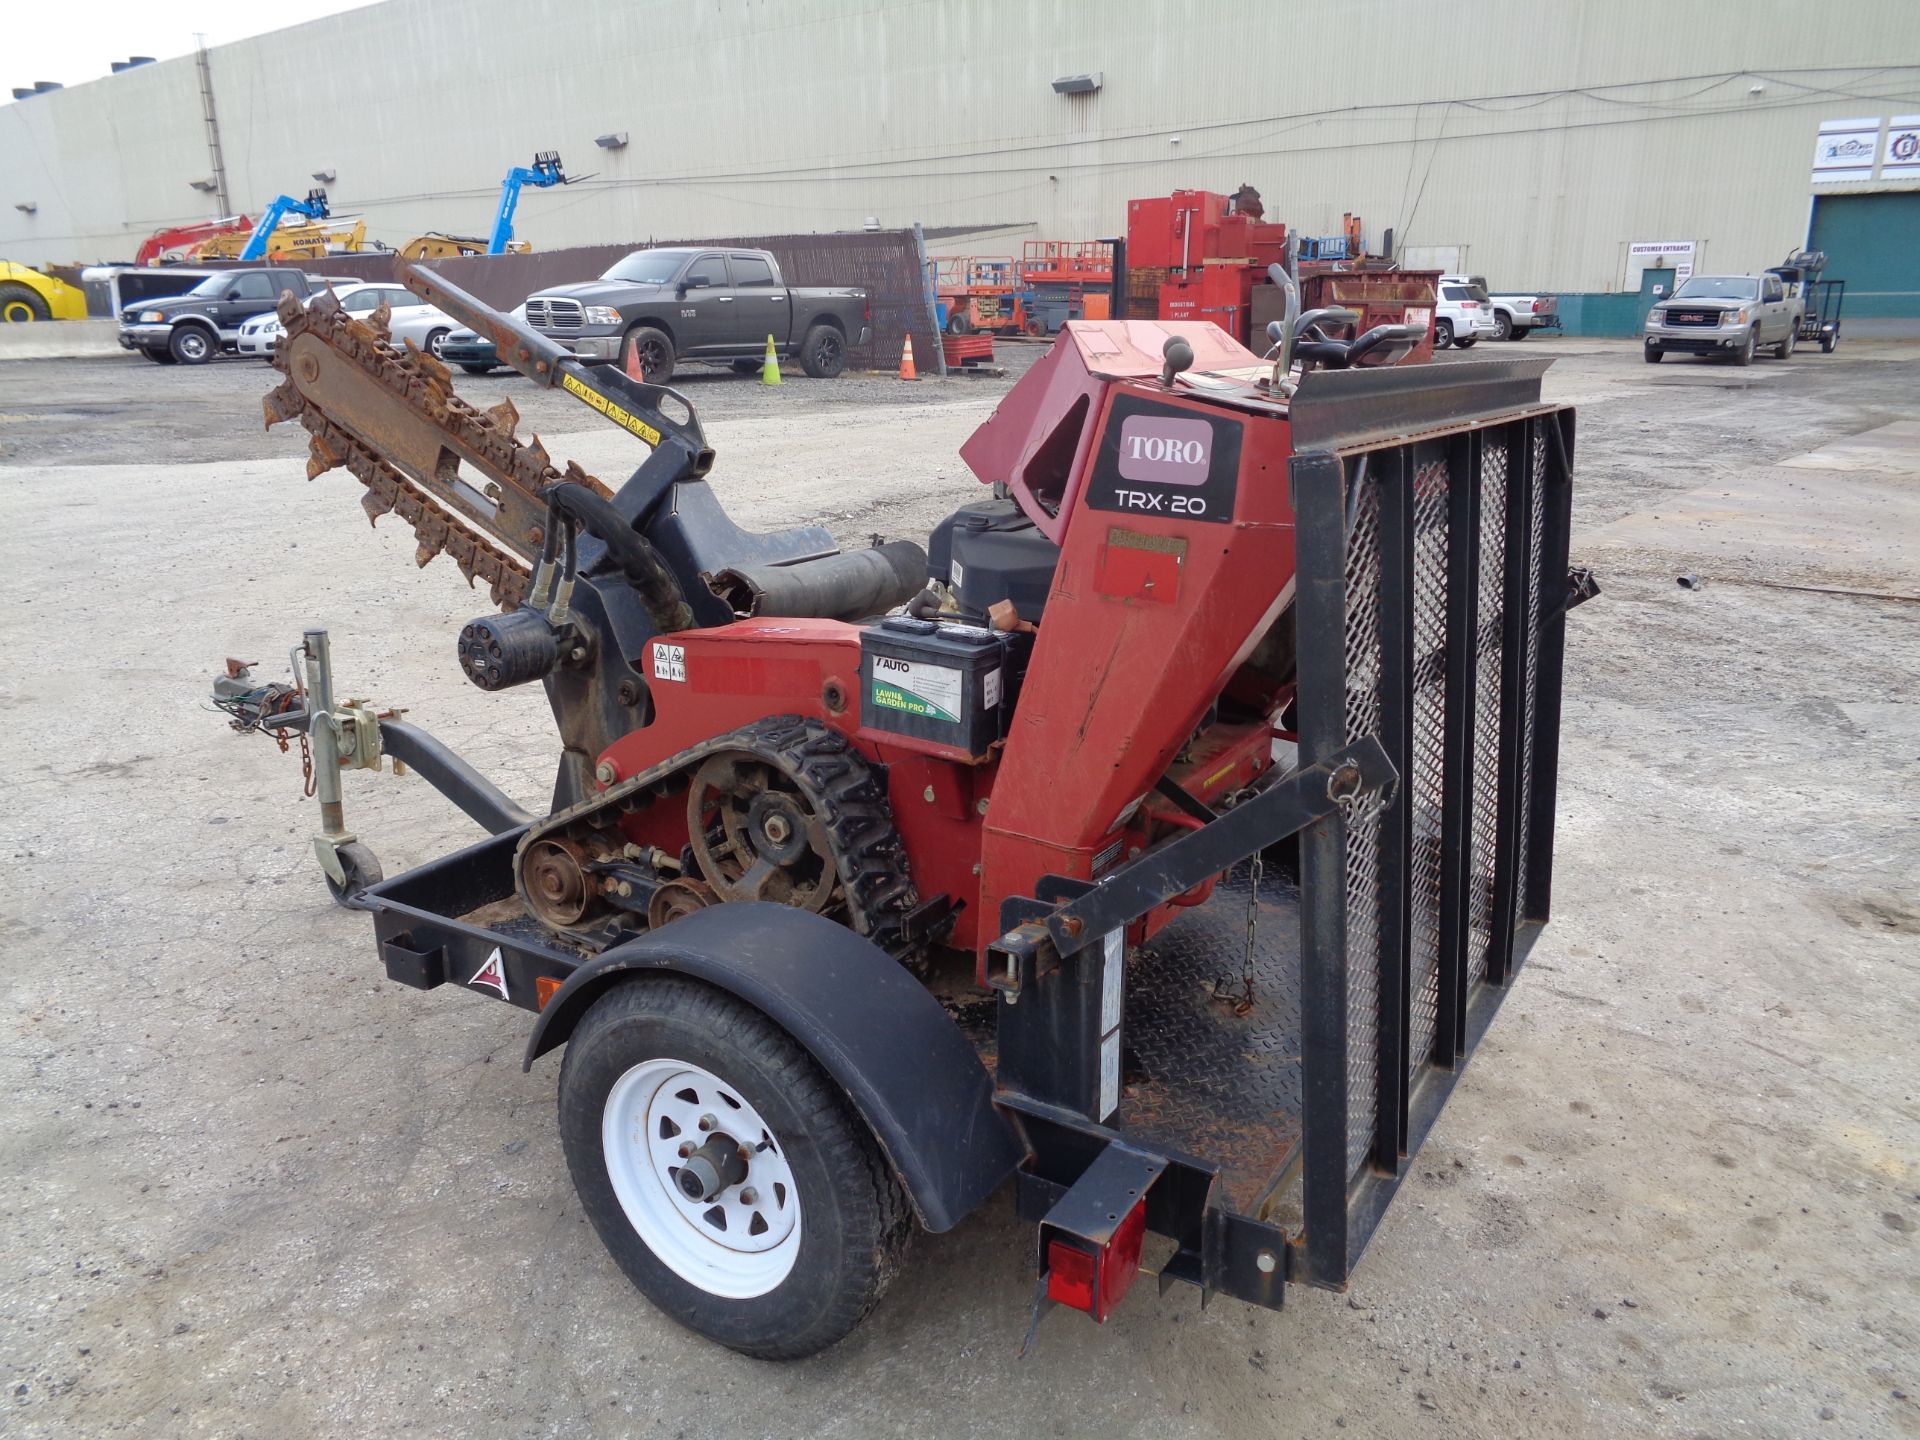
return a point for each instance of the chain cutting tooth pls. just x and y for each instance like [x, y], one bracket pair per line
[320, 458]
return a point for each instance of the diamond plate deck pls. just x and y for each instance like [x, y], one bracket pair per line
[1197, 1080]
[1200, 1080]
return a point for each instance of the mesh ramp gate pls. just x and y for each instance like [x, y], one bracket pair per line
[1430, 616]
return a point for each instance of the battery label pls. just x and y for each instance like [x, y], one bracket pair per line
[915, 688]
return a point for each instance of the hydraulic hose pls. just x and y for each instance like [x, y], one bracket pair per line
[659, 590]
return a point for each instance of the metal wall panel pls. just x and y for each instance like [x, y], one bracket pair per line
[816, 114]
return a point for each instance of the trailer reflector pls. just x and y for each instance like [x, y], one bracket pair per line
[544, 989]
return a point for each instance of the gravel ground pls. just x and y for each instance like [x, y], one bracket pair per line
[248, 1188]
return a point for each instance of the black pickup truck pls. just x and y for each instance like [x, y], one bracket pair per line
[717, 305]
[198, 323]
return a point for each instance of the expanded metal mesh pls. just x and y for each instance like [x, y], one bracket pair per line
[1489, 630]
[1536, 544]
[1427, 775]
[1363, 655]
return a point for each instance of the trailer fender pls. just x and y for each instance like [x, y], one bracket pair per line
[911, 1074]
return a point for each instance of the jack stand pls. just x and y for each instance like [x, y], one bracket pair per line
[348, 737]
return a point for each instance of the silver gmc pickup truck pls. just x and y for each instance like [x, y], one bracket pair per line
[1730, 315]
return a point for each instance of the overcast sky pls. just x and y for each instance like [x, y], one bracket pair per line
[47, 41]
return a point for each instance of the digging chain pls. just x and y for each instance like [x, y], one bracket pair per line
[875, 893]
[425, 388]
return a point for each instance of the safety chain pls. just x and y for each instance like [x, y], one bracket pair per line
[1242, 1003]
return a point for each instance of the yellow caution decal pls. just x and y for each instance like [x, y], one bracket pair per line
[614, 411]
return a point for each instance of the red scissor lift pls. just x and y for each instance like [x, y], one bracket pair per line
[981, 294]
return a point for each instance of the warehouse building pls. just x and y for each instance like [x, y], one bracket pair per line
[1565, 147]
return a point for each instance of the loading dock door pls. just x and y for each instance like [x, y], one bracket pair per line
[1873, 243]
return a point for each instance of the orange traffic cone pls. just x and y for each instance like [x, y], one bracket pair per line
[633, 363]
[907, 372]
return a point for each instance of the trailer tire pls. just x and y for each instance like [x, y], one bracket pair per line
[20, 305]
[644, 1046]
[192, 345]
[1828, 341]
[823, 354]
[655, 348]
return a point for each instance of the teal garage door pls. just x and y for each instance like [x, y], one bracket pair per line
[1872, 243]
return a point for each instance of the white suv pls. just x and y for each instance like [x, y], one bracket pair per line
[1463, 315]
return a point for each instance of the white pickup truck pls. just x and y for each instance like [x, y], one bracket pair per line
[1514, 316]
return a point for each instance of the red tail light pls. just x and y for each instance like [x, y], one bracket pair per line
[1095, 1281]
[1536, 307]
[1469, 304]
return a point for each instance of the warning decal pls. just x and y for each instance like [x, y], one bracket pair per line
[493, 975]
[915, 688]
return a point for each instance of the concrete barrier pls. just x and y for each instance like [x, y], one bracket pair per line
[60, 340]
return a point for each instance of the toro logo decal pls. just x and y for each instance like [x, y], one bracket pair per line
[1165, 450]
[492, 975]
[1155, 459]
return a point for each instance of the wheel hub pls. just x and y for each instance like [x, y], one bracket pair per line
[719, 1163]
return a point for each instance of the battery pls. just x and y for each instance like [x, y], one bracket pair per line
[933, 681]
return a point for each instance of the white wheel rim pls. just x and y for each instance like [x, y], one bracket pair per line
[744, 1241]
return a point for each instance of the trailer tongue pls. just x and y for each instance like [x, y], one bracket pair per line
[1168, 856]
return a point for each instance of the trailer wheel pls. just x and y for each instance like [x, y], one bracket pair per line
[1829, 339]
[362, 870]
[823, 354]
[728, 1177]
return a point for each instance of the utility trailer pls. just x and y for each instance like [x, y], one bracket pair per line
[1802, 273]
[1174, 884]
